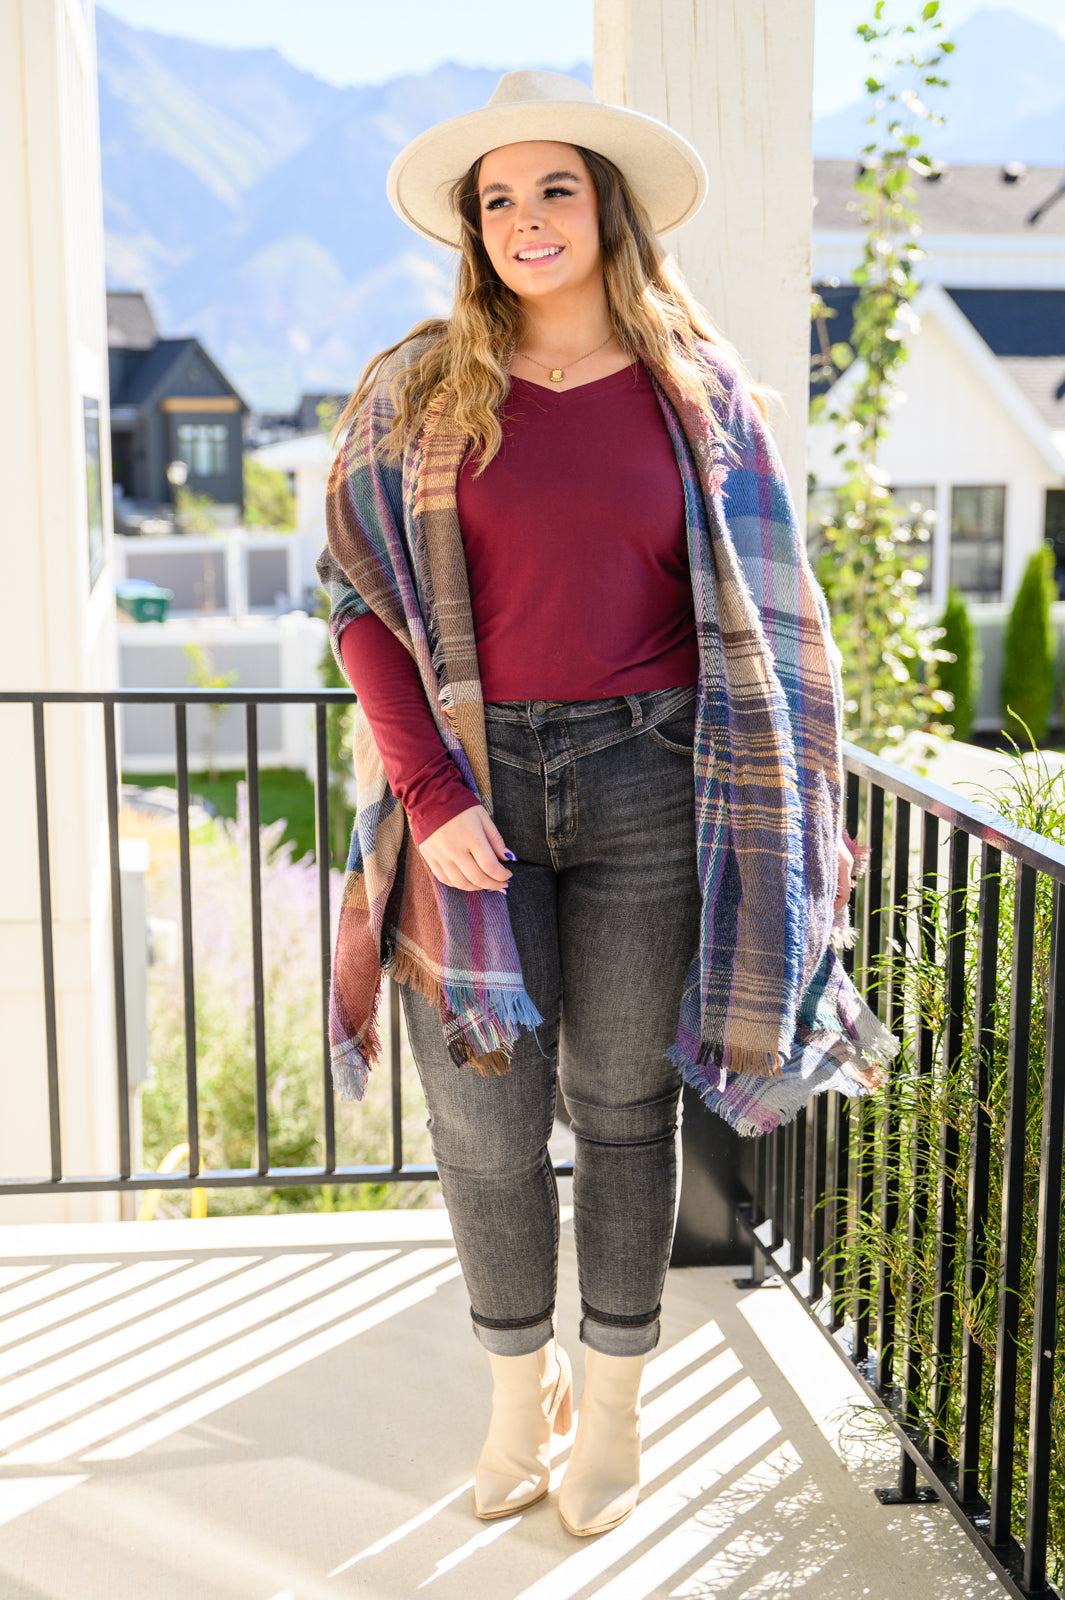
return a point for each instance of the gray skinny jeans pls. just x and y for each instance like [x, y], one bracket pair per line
[596, 799]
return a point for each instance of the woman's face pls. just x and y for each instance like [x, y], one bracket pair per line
[539, 218]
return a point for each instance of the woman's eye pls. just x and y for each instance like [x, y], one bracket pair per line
[556, 190]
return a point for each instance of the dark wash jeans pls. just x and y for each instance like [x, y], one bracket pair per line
[596, 799]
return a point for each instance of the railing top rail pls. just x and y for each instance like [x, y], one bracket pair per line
[973, 818]
[176, 696]
[1023, 844]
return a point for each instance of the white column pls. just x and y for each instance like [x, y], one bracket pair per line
[57, 625]
[736, 78]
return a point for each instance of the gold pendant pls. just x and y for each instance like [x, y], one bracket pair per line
[557, 374]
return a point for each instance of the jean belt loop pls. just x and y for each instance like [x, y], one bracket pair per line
[636, 708]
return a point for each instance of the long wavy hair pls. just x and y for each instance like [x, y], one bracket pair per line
[462, 361]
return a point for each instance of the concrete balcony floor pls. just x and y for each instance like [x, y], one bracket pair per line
[290, 1408]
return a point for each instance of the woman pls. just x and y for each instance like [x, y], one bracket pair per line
[597, 749]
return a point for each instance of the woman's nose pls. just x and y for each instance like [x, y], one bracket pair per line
[527, 216]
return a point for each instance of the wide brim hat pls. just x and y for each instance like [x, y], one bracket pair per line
[662, 169]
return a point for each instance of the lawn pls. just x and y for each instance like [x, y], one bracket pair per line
[283, 792]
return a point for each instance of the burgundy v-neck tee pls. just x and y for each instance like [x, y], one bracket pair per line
[580, 588]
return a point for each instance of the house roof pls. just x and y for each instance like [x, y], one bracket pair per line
[137, 375]
[130, 323]
[307, 410]
[968, 199]
[988, 326]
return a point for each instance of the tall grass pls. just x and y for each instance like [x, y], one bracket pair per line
[921, 1106]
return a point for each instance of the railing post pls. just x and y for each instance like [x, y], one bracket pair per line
[1013, 1203]
[972, 1354]
[946, 1203]
[1047, 1261]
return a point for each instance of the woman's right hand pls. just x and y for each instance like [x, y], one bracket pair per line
[465, 852]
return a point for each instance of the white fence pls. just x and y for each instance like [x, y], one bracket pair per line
[268, 653]
[234, 574]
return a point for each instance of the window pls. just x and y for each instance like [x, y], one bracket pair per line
[917, 502]
[977, 527]
[204, 447]
[1054, 533]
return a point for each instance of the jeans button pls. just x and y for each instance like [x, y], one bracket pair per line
[539, 707]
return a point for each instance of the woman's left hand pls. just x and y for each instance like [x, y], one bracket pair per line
[846, 876]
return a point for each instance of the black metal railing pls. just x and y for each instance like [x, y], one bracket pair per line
[912, 1225]
[264, 1173]
[971, 1203]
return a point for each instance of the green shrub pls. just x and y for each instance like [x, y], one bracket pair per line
[959, 677]
[225, 1030]
[268, 500]
[1029, 651]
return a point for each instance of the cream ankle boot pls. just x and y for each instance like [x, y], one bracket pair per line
[532, 1396]
[602, 1482]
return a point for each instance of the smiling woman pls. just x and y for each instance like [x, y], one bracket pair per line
[599, 811]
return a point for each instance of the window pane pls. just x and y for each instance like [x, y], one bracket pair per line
[1054, 530]
[977, 525]
[917, 501]
[204, 448]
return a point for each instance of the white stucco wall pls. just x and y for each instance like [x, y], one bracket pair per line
[56, 626]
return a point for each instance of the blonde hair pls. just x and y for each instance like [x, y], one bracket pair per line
[461, 361]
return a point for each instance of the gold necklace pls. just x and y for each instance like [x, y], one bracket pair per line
[556, 374]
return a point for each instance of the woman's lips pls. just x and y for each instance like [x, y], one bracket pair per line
[536, 261]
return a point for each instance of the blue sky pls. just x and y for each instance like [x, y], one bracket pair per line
[365, 41]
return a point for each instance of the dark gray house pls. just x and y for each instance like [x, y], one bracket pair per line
[170, 402]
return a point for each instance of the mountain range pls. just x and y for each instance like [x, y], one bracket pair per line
[247, 197]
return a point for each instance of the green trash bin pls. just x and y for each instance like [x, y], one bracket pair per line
[143, 600]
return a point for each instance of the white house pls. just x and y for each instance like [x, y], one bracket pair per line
[977, 434]
[977, 437]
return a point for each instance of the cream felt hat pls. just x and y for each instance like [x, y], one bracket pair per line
[663, 170]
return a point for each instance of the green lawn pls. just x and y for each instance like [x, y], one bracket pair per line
[283, 792]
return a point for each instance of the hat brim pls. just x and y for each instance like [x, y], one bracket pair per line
[664, 171]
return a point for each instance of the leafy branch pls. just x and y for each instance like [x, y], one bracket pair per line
[869, 567]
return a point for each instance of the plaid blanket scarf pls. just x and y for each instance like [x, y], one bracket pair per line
[768, 1015]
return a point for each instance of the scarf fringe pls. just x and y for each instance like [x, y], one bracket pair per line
[747, 1062]
[351, 1070]
[406, 970]
[496, 1064]
[484, 1024]
[490, 1019]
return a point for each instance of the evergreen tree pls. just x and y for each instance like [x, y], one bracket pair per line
[1029, 651]
[958, 666]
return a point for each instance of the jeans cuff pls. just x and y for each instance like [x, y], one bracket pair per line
[515, 1341]
[610, 1339]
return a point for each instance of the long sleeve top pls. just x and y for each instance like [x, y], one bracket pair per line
[580, 588]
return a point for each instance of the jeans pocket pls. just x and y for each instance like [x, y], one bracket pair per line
[676, 731]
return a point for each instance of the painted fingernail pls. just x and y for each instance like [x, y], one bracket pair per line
[508, 855]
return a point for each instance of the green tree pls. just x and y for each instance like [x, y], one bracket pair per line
[1029, 650]
[869, 569]
[268, 499]
[957, 672]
